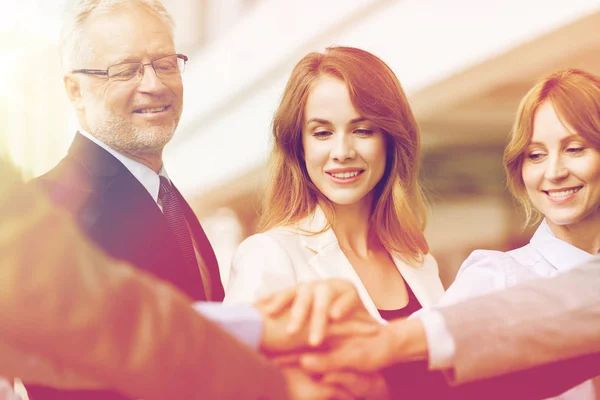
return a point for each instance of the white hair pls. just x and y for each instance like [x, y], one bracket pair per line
[75, 48]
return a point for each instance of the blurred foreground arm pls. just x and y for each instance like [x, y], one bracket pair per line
[62, 300]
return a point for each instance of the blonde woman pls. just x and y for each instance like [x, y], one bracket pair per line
[552, 164]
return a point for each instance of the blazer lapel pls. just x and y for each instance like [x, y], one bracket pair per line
[329, 260]
[426, 286]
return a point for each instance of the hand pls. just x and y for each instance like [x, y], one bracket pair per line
[358, 353]
[399, 341]
[277, 339]
[362, 386]
[303, 387]
[312, 305]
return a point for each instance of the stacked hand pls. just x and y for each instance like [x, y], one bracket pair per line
[310, 326]
[303, 316]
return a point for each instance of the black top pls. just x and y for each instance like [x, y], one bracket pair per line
[412, 380]
[412, 306]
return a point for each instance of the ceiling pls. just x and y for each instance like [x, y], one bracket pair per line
[478, 105]
[465, 119]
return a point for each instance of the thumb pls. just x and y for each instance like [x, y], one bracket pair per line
[323, 362]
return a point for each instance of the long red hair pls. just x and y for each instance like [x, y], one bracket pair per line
[399, 209]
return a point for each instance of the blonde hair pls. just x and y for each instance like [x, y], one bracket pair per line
[399, 210]
[575, 96]
[75, 48]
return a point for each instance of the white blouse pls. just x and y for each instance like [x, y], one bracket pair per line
[545, 256]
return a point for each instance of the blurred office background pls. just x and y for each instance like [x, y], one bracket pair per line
[464, 64]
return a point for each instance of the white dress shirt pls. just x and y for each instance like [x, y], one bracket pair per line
[244, 323]
[485, 271]
[144, 174]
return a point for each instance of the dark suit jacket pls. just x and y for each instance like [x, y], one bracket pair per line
[121, 217]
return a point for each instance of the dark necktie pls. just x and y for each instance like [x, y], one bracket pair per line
[173, 213]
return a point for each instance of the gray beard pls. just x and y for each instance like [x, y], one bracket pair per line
[123, 136]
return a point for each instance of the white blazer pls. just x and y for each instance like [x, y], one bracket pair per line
[282, 257]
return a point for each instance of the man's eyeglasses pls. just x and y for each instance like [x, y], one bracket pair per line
[164, 67]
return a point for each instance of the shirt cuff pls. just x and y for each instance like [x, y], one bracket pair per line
[439, 340]
[242, 322]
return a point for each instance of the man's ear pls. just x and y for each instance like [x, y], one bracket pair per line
[74, 91]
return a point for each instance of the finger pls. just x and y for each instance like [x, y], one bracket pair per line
[358, 385]
[322, 299]
[277, 303]
[329, 392]
[340, 394]
[286, 360]
[344, 305]
[353, 328]
[325, 362]
[300, 308]
[342, 378]
[265, 300]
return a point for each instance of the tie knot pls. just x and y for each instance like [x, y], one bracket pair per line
[165, 187]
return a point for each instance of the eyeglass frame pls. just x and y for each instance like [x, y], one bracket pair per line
[104, 72]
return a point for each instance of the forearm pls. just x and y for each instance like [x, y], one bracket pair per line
[69, 304]
[526, 326]
[40, 371]
[409, 342]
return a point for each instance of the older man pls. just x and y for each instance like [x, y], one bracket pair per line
[123, 78]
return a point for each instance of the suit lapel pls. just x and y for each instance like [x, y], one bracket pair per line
[127, 221]
[422, 283]
[123, 205]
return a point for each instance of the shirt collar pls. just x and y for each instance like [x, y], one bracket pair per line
[562, 255]
[145, 175]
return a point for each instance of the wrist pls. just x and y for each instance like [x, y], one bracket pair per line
[275, 337]
[409, 341]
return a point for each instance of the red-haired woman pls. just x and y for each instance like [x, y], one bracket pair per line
[343, 199]
[552, 164]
